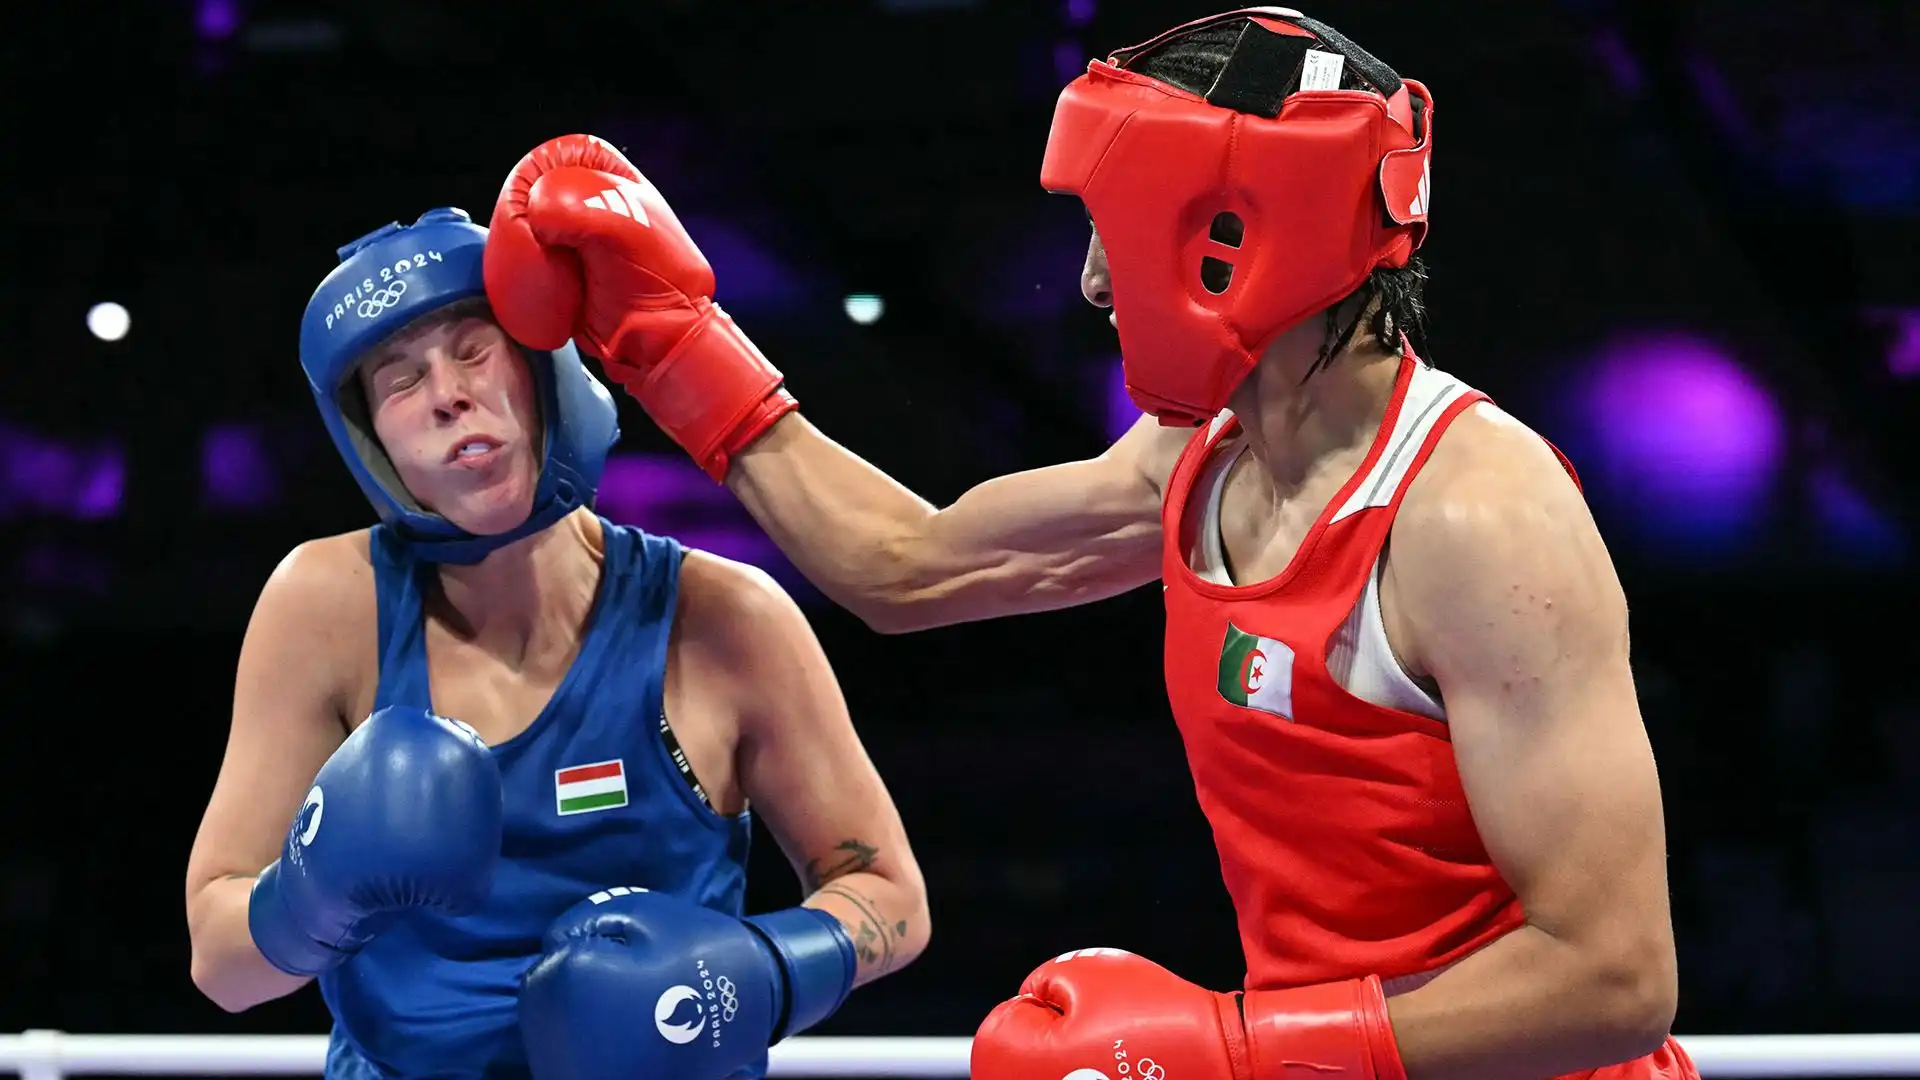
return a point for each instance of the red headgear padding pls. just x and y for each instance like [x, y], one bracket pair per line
[1333, 186]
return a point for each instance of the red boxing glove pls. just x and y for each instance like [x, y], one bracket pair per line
[1103, 1013]
[583, 247]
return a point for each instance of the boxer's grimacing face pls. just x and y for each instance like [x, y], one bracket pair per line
[453, 404]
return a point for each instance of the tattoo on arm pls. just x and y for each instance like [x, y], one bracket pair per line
[874, 937]
[849, 856]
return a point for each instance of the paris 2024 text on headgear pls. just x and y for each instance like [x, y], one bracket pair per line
[1230, 218]
[386, 280]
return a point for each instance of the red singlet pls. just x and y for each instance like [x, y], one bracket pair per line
[1343, 831]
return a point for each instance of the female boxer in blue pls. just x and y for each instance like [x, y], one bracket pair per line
[491, 760]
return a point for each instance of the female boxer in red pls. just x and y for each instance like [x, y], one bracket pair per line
[1396, 646]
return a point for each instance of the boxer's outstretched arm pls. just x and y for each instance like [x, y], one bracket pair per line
[1512, 604]
[286, 722]
[801, 764]
[1032, 541]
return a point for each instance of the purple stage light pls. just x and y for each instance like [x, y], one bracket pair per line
[1069, 61]
[667, 495]
[1080, 12]
[41, 475]
[752, 279]
[1679, 433]
[640, 489]
[1121, 412]
[1618, 60]
[216, 20]
[1849, 521]
[103, 488]
[1903, 343]
[1869, 152]
[236, 471]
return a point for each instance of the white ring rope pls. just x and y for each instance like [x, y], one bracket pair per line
[53, 1055]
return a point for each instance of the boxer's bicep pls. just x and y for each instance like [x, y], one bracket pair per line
[806, 774]
[286, 716]
[1515, 610]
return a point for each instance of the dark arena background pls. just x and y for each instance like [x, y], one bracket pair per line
[1676, 237]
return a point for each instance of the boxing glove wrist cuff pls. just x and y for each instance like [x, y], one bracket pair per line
[818, 958]
[277, 934]
[714, 394]
[1339, 1027]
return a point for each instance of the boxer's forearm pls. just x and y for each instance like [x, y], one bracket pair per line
[850, 528]
[227, 966]
[1030, 541]
[1531, 1005]
[886, 920]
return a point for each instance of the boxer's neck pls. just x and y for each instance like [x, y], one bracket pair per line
[525, 591]
[1294, 420]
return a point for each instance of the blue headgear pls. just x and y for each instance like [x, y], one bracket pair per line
[385, 280]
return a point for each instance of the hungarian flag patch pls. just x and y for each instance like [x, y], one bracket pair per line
[583, 789]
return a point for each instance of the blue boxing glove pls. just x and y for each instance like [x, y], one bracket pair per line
[641, 984]
[406, 814]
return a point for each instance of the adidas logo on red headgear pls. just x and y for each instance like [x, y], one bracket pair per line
[1419, 204]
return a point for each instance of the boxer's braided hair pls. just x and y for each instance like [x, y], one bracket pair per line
[1193, 62]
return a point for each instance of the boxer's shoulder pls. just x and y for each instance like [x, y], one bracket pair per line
[325, 572]
[322, 592]
[1493, 514]
[1486, 460]
[736, 627]
[725, 604]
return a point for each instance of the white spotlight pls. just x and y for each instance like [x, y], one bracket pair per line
[865, 308]
[108, 321]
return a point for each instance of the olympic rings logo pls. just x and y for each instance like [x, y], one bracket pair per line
[1150, 1069]
[382, 300]
[730, 1001]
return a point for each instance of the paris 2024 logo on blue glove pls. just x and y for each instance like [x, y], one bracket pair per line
[682, 1012]
[685, 1011]
[618, 941]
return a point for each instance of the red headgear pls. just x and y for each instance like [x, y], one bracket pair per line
[1229, 219]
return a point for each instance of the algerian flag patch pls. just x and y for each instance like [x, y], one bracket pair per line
[586, 788]
[1257, 672]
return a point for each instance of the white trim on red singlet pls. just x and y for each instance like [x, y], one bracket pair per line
[1429, 393]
